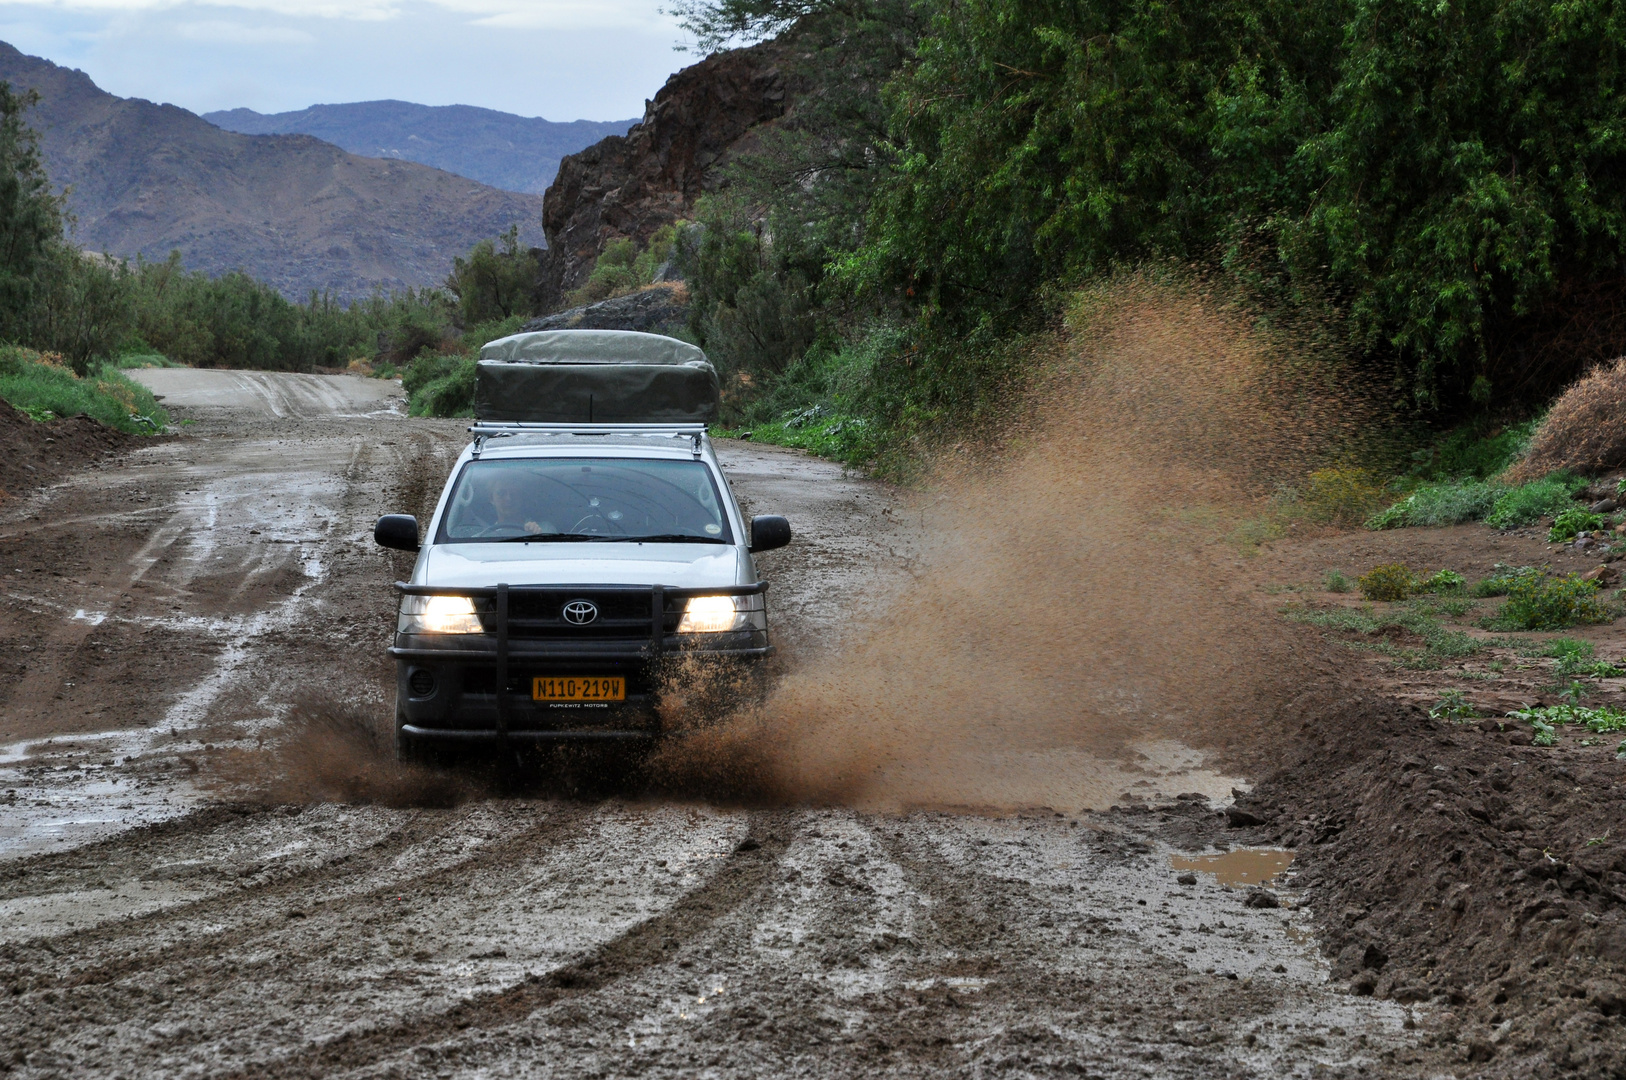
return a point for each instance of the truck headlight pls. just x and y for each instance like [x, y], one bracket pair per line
[720, 614]
[438, 615]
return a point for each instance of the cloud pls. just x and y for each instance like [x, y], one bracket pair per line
[233, 33]
[512, 14]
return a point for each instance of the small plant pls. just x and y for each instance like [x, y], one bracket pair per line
[1388, 582]
[1502, 576]
[1572, 522]
[1602, 719]
[1620, 751]
[1453, 705]
[1335, 581]
[1444, 582]
[1536, 601]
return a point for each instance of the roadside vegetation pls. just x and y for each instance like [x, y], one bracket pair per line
[43, 386]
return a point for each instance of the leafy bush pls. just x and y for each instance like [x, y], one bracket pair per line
[1472, 452]
[1501, 579]
[1445, 582]
[1536, 601]
[1529, 503]
[1453, 705]
[1448, 503]
[1392, 581]
[1569, 523]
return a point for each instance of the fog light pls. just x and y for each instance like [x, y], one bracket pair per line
[421, 682]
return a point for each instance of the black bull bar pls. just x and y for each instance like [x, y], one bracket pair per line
[653, 650]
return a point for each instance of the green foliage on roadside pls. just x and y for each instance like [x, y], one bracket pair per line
[42, 386]
[1453, 705]
[1336, 581]
[440, 385]
[1529, 503]
[1450, 502]
[1443, 582]
[1539, 601]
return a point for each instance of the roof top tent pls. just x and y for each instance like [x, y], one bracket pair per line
[594, 377]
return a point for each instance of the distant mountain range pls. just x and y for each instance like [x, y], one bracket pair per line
[515, 153]
[296, 212]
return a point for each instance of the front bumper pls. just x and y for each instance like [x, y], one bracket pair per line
[476, 688]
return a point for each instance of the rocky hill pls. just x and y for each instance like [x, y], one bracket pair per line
[515, 153]
[630, 185]
[292, 210]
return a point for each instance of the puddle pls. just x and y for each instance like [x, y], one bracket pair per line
[1244, 866]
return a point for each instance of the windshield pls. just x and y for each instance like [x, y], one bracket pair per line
[585, 499]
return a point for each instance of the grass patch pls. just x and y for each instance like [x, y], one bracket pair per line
[38, 385]
[1529, 503]
[1440, 643]
[1449, 503]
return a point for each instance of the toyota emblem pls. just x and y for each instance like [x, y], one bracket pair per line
[580, 612]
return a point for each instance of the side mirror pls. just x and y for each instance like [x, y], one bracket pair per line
[399, 531]
[768, 532]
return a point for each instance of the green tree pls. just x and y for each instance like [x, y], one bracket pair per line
[491, 283]
[30, 214]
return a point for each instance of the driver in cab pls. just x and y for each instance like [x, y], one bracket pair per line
[515, 505]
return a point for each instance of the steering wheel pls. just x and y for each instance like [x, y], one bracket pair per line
[605, 525]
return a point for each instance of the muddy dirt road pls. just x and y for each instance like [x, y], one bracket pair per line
[168, 607]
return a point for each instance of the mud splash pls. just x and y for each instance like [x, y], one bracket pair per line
[1075, 598]
[331, 751]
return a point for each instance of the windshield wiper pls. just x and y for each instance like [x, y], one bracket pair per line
[542, 538]
[662, 538]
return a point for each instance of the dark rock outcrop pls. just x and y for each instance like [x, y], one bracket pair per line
[659, 309]
[295, 212]
[631, 185]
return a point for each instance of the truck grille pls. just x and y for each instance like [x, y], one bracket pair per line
[622, 615]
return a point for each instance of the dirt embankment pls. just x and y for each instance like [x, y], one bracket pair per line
[32, 454]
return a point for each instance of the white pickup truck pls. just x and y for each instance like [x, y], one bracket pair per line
[564, 565]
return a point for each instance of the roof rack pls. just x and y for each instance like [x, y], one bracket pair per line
[501, 429]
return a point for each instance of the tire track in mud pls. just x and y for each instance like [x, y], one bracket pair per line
[250, 902]
[648, 943]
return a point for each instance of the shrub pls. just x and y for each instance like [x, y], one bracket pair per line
[1502, 576]
[1339, 496]
[1529, 503]
[1571, 522]
[1443, 581]
[1449, 503]
[1335, 581]
[1585, 431]
[1536, 601]
[1470, 453]
[1391, 581]
[452, 394]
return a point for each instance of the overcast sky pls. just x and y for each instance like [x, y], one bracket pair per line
[559, 59]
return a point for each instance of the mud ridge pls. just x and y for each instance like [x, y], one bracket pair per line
[643, 946]
[1448, 864]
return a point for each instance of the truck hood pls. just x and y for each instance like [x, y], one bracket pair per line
[681, 566]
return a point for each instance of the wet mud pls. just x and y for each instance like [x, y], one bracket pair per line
[881, 887]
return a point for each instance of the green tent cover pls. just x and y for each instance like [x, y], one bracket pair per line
[594, 376]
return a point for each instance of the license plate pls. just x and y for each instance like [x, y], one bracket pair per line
[590, 688]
